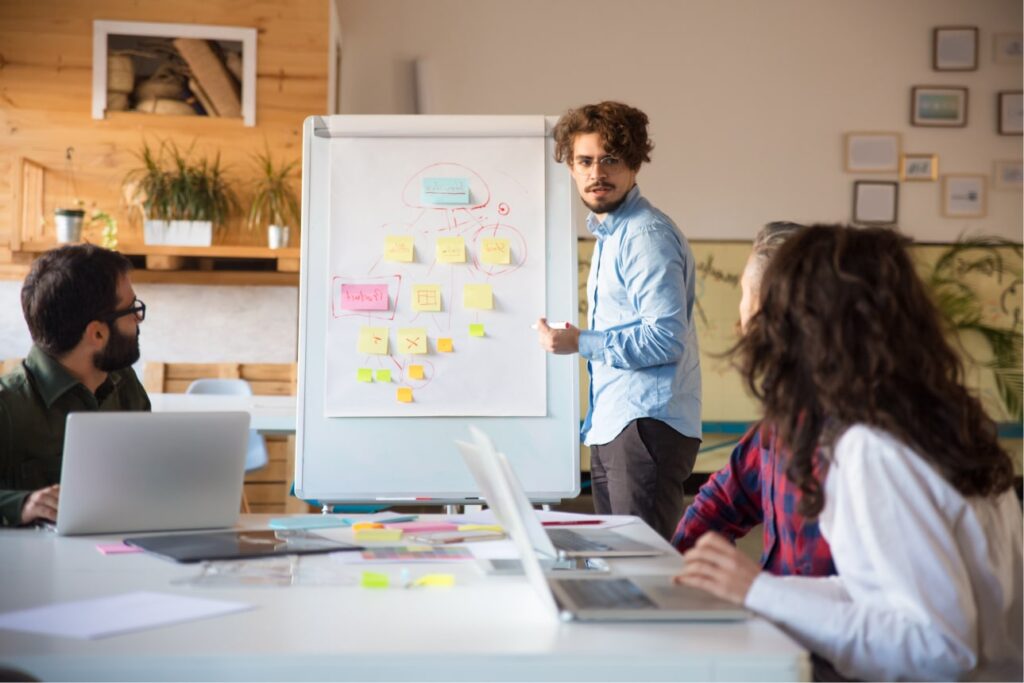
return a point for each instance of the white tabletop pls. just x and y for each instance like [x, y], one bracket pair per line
[269, 413]
[483, 628]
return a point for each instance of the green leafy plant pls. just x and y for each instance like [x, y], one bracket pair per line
[108, 236]
[170, 185]
[274, 201]
[964, 309]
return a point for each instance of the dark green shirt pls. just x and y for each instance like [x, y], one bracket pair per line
[35, 400]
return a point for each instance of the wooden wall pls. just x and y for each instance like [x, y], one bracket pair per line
[46, 91]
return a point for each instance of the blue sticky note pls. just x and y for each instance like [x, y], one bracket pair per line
[444, 191]
[309, 522]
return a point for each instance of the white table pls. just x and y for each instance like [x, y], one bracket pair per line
[483, 628]
[270, 414]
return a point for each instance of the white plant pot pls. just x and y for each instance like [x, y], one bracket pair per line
[68, 223]
[277, 236]
[178, 233]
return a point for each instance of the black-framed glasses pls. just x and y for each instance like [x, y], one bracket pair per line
[607, 162]
[138, 309]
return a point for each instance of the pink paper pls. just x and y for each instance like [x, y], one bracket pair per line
[418, 527]
[117, 548]
[364, 297]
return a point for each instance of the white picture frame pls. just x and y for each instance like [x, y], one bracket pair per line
[875, 202]
[1008, 174]
[1010, 105]
[919, 168]
[872, 152]
[955, 48]
[1007, 48]
[964, 195]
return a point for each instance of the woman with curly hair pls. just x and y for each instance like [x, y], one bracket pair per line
[895, 458]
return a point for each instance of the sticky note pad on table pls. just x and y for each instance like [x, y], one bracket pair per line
[383, 375]
[419, 527]
[450, 250]
[308, 522]
[426, 297]
[444, 191]
[412, 340]
[444, 345]
[364, 297]
[415, 372]
[476, 330]
[374, 580]
[373, 340]
[398, 249]
[364, 375]
[435, 581]
[362, 535]
[117, 548]
[495, 250]
[404, 395]
[477, 296]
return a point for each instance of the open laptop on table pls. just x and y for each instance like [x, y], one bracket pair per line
[133, 471]
[583, 598]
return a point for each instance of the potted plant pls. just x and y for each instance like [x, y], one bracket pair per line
[274, 203]
[182, 201]
[67, 218]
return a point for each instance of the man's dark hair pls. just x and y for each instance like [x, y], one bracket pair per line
[66, 289]
[623, 128]
[847, 334]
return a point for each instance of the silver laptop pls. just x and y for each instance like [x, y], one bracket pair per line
[584, 598]
[133, 471]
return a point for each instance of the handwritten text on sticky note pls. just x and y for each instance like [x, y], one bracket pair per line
[412, 340]
[364, 297]
[398, 249]
[426, 297]
[477, 296]
[495, 251]
[373, 340]
[450, 250]
[444, 191]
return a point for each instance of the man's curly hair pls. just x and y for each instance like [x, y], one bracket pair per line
[623, 128]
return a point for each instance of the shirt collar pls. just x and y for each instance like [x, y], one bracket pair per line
[53, 380]
[611, 222]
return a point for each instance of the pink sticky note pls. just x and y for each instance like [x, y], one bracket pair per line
[364, 297]
[419, 527]
[117, 548]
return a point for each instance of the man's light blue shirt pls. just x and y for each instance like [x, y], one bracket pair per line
[641, 348]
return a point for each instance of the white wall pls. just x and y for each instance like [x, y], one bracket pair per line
[748, 100]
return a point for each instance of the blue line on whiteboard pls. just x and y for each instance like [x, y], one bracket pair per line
[451, 191]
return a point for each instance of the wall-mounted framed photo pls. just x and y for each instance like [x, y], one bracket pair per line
[919, 167]
[963, 196]
[875, 202]
[1011, 112]
[872, 152]
[1007, 48]
[955, 48]
[1008, 175]
[938, 106]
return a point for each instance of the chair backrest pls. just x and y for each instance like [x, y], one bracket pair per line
[265, 379]
[220, 387]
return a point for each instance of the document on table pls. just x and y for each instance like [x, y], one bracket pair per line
[116, 614]
[555, 518]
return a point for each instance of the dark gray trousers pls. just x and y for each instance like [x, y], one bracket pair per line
[641, 472]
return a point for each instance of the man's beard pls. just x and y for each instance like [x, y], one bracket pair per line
[605, 207]
[120, 352]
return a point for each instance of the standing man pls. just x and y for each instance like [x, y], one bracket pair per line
[84, 320]
[643, 427]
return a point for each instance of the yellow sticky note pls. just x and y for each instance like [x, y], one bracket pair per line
[373, 340]
[476, 330]
[415, 372]
[494, 250]
[477, 296]
[435, 581]
[444, 345]
[398, 249]
[426, 297]
[378, 535]
[383, 375]
[364, 375]
[404, 395]
[412, 340]
[451, 250]
[481, 527]
[374, 580]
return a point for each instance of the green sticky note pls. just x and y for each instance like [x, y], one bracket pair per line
[383, 375]
[476, 330]
[374, 580]
[364, 375]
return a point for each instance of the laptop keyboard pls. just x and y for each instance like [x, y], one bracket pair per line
[603, 594]
[564, 539]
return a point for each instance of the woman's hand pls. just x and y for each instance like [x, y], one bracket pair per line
[715, 565]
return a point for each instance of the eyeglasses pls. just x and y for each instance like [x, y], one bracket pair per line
[608, 163]
[138, 309]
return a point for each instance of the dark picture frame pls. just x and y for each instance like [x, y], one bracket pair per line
[955, 48]
[876, 202]
[943, 106]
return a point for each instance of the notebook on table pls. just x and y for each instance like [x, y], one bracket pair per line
[238, 545]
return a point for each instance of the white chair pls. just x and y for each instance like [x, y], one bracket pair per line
[256, 453]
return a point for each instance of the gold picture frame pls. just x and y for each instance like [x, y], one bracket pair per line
[919, 168]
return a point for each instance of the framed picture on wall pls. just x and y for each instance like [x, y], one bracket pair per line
[955, 48]
[963, 196]
[919, 167]
[872, 152]
[1011, 112]
[875, 202]
[1007, 48]
[938, 106]
[1008, 175]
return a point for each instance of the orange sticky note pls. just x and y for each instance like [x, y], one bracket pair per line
[404, 395]
[415, 372]
[444, 345]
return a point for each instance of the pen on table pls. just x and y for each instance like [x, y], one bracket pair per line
[572, 522]
[555, 325]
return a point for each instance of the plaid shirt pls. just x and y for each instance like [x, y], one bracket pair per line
[753, 489]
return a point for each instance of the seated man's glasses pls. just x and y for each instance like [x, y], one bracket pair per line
[607, 162]
[138, 309]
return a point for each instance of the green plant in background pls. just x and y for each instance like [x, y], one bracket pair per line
[964, 308]
[108, 237]
[274, 201]
[170, 185]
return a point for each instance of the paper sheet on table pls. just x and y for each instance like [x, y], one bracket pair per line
[116, 614]
[607, 521]
[409, 554]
